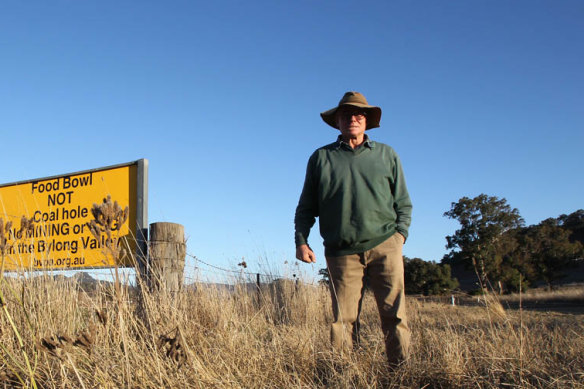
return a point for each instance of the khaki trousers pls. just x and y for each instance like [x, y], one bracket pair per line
[384, 267]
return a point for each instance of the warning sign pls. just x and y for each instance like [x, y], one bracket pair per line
[88, 219]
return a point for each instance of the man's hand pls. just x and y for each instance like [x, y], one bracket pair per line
[305, 254]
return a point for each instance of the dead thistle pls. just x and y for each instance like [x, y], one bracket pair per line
[107, 218]
[86, 339]
[59, 345]
[56, 345]
[4, 236]
[26, 227]
[173, 346]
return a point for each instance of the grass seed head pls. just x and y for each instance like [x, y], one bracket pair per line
[101, 316]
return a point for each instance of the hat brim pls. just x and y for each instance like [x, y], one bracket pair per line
[373, 115]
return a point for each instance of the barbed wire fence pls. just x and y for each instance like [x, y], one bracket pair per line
[238, 275]
[196, 270]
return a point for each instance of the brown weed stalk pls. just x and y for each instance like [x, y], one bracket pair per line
[6, 234]
[108, 219]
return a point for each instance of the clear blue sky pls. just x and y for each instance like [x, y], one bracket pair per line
[223, 99]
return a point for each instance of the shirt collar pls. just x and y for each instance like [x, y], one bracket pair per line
[366, 142]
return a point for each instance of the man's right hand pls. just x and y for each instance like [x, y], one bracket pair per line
[305, 254]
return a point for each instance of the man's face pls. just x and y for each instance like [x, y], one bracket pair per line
[352, 121]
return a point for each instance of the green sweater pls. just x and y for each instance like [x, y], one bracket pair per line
[359, 195]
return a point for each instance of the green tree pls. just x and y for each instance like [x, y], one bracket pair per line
[324, 276]
[427, 278]
[482, 241]
[549, 250]
[574, 222]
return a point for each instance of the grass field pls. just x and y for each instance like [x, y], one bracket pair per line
[53, 334]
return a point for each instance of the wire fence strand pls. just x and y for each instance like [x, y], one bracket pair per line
[242, 272]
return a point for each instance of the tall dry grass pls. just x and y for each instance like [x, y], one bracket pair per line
[205, 337]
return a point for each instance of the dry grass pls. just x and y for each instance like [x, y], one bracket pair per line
[208, 338]
[568, 293]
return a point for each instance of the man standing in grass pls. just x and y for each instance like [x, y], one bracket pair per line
[356, 188]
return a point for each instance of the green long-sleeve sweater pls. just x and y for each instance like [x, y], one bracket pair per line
[359, 195]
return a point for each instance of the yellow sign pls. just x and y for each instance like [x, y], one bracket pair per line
[46, 222]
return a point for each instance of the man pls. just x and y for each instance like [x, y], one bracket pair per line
[356, 188]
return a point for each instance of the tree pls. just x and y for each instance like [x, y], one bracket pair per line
[325, 278]
[549, 250]
[482, 240]
[574, 222]
[427, 278]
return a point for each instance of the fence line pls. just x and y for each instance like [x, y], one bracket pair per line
[243, 272]
[100, 274]
[233, 271]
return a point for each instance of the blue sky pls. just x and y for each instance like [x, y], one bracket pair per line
[223, 99]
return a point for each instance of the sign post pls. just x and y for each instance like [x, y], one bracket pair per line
[49, 218]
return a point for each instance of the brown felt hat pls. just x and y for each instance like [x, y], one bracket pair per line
[354, 99]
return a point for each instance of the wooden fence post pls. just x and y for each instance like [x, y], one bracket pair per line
[167, 256]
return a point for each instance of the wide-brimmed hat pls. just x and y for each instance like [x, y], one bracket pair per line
[354, 99]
